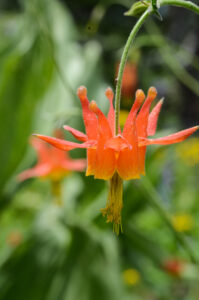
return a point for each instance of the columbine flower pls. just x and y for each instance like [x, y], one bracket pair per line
[122, 156]
[174, 266]
[52, 163]
[129, 79]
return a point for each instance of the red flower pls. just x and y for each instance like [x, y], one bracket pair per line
[52, 162]
[121, 156]
[173, 266]
[129, 79]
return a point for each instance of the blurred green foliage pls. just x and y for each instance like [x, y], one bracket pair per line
[47, 49]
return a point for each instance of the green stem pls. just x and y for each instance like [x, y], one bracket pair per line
[181, 3]
[122, 65]
[155, 201]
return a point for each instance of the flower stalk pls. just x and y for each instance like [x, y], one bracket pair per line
[123, 63]
[155, 200]
[180, 3]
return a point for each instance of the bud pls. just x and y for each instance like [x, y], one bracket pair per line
[138, 8]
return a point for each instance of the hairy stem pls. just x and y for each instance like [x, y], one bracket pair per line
[122, 65]
[180, 3]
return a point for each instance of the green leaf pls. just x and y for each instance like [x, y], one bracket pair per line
[25, 76]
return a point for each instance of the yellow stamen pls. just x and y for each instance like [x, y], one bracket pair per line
[114, 203]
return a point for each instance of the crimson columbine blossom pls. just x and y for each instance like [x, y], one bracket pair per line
[174, 267]
[129, 79]
[52, 162]
[122, 156]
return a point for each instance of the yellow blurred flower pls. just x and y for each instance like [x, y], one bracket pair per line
[182, 222]
[189, 151]
[131, 276]
[123, 116]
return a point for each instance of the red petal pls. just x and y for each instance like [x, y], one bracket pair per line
[75, 164]
[111, 113]
[91, 162]
[38, 171]
[89, 117]
[103, 124]
[128, 161]
[127, 165]
[105, 162]
[153, 118]
[170, 139]
[130, 122]
[142, 118]
[76, 133]
[105, 158]
[41, 148]
[118, 143]
[142, 123]
[65, 145]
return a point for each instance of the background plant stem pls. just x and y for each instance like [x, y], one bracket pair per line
[155, 201]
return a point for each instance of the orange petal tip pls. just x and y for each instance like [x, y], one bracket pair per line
[39, 136]
[161, 100]
[82, 92]
[140, 96]
[93, 106]
[109, 93]
[196, 127]
[152, 92]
